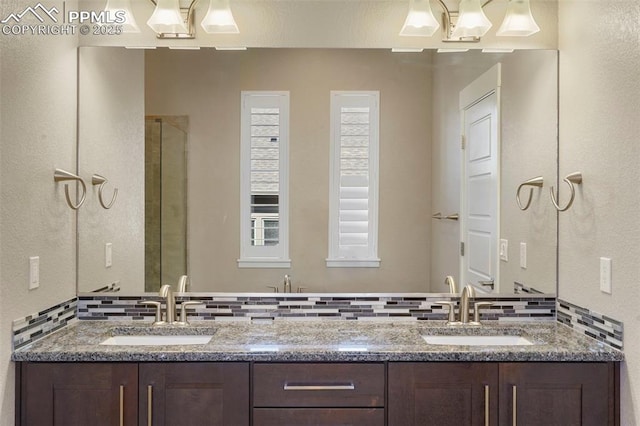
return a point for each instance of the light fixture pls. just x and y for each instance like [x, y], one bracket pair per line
[167, 19]
[172, 21]
[518, 20]
[219, 19]
[469, 23]
[121, 9]
[472, 22]
[420, 20]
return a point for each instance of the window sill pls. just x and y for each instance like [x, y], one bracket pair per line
[264, 263]
[353, 263]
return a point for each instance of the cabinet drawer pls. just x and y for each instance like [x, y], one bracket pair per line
[318, 416]
[318, 385]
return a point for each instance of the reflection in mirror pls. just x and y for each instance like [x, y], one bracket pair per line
[165, 213]
[420, 166]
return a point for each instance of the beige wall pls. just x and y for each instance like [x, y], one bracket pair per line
[37, 134]
[528, 149]
[599, 128]
[111, 144]
[206, 85]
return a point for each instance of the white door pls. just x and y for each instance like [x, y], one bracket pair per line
[479, 105]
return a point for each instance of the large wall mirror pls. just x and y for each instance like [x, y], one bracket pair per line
[163, 127]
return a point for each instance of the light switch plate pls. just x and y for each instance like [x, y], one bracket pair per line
[108, 255]
[34, 272]
[504, 250]
[523, 255]
[605, 275]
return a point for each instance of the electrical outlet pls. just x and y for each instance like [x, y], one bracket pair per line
[523, 255]
[504, 250]
[34, 272]
[605, 275]
[108, 255]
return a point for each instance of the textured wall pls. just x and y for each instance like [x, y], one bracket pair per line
[111, 144]
[528, 149]
[599, 128]
[208, 91]
[37, 134]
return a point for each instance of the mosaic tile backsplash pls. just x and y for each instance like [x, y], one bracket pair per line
[592, 324]
[292, 306]
[32, 327]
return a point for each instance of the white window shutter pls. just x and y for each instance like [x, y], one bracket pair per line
[353, 215]
[264, 181]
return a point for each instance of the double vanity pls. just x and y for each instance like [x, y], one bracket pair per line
[288, 372]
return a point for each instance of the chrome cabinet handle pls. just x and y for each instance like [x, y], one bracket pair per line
[486, 405]
[514, 391]
[311, 387]
[149, 405]
[121, 405]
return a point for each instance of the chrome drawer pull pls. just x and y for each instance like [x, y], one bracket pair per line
[486, 405]
[514, 392]
[121, 405]
[296, 387]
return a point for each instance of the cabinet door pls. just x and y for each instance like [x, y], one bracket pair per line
[439, 393]
[194, 393]
[557, 394]
[79, 394]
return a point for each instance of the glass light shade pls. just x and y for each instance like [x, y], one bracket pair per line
[115, 8]
[472, 22]
[420, 20]
[219, 19]
[518, 20]
[166, 18]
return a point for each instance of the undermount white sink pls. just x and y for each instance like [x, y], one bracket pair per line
[478, 340]
[152, 340]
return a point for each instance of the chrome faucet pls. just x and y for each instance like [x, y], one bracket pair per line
[183, 281]
[170, 303]
[467, 292]
[452, 284]
[287, 284]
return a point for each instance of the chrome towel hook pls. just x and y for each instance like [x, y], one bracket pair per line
[101, 180]
[62, 175]
[537, 181]
[572, 179]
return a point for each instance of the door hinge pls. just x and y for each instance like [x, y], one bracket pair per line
[461, 248]
[462, 142]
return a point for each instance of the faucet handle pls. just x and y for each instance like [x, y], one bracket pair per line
[452, 311]
[476, 311]
[183, 311]
[275, 289]
[158, 306]
[300, 289]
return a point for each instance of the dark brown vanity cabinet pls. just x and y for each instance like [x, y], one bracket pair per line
[77, 394]
[288, 394]
[523, 394]
[443, 393]
[124, 394]
[299, 393]
[558, 394]
[193, 394]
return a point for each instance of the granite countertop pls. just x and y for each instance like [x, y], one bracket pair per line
[336, 340]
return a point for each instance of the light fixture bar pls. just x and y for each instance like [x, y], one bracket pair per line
[469, 23]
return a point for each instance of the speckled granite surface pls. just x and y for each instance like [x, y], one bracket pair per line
[315, 341]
